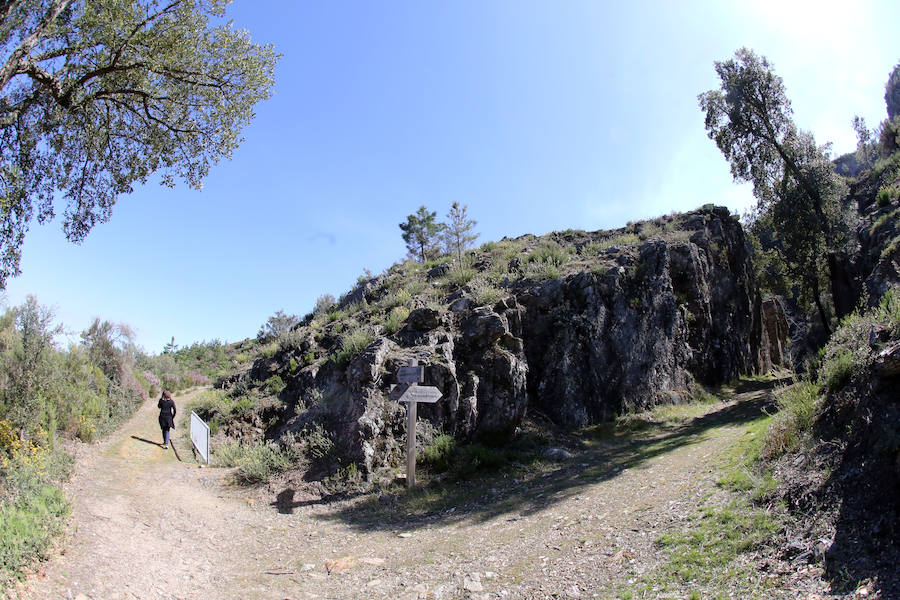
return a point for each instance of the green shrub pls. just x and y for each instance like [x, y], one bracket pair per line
[255, 463]
[484, 293]
[886, 195]
[400, 297]
[623, 239]
[792, 423]
[292, 340]
[28, 527]
[395, 319]
[882, 221]
[334, 315]
[591, 249]
[549, 253]
[439, 454]
[242, 407]
[459, 277]
[475, 457]
[317, 441]
[275, 384]
[32, 508]
[838, 369]
[541, 271]
[352, 343]
[848, 352]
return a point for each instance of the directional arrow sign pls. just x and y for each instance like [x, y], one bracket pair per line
[397, 391]
[411, 374]
[421, 393]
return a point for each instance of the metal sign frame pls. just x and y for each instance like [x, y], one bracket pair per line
[200, 436]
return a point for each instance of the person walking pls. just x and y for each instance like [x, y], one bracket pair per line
[166, 416]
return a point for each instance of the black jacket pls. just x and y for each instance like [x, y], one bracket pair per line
[166, 413]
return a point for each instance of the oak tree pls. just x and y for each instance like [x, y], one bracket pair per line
[98, 95]
[750, 119]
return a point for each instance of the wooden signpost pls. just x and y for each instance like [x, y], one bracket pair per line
[408, 390]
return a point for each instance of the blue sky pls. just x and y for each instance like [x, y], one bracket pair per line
[536, 115]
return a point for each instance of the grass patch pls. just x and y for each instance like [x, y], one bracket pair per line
[793, 421]
[707, 557]
[255, 463]
[549, 253]
[484, 293]
[665, 415]
[395, 319]
[457, 278]
[352, 342]
[711, 556]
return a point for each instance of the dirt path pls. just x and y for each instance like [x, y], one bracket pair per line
[148, 526]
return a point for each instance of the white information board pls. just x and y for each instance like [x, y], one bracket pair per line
[200, 436]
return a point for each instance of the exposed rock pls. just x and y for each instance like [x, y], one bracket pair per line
[581, 348]
[558, 454]
[887, 362]
[776, 332]
[441, 270]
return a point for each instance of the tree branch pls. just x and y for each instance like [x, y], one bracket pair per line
[15, 61]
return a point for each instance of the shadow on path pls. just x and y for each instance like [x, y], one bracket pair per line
[146, 441]
[493, 496]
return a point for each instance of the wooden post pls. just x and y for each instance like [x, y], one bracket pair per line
[411, 436]
[408, 390]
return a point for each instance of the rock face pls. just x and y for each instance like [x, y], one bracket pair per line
[636, 326]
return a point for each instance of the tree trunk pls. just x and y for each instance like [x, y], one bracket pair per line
[14, 62]
[818, 301]
[843, 290]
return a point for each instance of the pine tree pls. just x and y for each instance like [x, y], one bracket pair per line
[458, 231]
[421, 232]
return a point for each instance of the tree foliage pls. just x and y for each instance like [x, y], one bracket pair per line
[422, 232]
[107, 345]
[892, 93]
[277, 324]
[97, 95]
[750, 119]
[458, 231]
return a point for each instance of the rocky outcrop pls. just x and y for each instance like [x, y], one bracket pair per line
[633, 328]
[777, 332]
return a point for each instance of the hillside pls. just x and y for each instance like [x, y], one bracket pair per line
[574, 326]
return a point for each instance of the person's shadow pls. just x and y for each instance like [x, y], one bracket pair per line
[146, 441]
[158, 445]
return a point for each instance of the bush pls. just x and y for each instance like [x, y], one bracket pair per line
[837, 370]
[395, 319]
[352, 343]
[476, 457]
[439, 454]
[484, 293]
[540, 271]
[886, 195]
[275, 385]
[791, 425]
[292, 340]
[459, 277]
[401, 297]
[255, 463]
[848, 352]
[317, 441]
[549, 253]
[32, 508]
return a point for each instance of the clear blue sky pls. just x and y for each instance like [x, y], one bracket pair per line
[536, 115]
